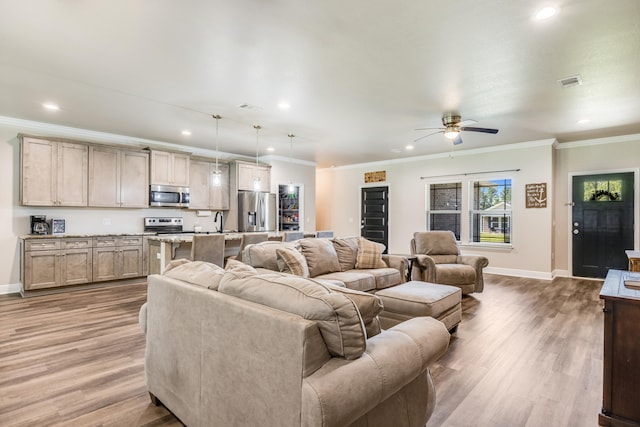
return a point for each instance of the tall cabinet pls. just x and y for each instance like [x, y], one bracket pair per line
[289, 208]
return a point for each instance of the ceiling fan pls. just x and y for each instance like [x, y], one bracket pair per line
[453, 125]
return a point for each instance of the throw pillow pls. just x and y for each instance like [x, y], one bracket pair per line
[347, 250]
[239, 269]
[291, 261]
[199, 273]
[369, 254]
[369, 306]
[320, 255]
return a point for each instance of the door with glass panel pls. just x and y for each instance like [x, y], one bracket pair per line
[602, 223]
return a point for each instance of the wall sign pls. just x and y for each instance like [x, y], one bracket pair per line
[536, 195]
[375, 176]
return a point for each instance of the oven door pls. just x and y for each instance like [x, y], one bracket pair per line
[168, 196]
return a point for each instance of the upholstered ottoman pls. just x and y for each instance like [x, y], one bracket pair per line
[414, 299]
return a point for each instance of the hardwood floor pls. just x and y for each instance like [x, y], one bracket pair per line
[528, 353]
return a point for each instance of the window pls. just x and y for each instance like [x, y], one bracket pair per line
[599, 191]
[490, 215]
[444, 210]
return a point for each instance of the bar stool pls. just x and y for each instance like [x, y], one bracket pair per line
[290, 236]
[325, 233]
[250, 239]
[209, 248]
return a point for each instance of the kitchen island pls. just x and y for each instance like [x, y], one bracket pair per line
[165, 248]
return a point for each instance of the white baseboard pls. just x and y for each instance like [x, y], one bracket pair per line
[11, 288]
[519, 273]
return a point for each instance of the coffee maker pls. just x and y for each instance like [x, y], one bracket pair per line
[39, 224]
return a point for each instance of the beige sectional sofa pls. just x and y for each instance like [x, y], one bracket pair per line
[355, 262]
[237, 348]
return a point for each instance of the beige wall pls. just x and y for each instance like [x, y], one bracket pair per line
[14, 219]
[338, 202]
[593, 156]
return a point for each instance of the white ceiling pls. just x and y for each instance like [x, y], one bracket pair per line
[359, 75]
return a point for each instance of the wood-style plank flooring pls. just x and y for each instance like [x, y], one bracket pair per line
[528, 353]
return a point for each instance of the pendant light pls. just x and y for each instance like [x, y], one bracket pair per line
[256, 181]
[291, 189]
[217, 175]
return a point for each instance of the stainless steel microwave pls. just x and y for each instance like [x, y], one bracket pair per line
[168, 196]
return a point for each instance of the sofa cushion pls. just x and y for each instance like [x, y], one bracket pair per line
[338, 318]
[369, 254]
[199, 273]
[347, 250]
[240, 269]
[352, 279]
[321, 256]
[291, 261]
[263, 254]
[383, 277]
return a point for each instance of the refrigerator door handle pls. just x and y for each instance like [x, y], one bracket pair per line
[260, 214]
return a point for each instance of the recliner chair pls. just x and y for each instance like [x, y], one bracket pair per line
[438, 260]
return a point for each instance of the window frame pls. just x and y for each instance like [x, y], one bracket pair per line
[505, 213]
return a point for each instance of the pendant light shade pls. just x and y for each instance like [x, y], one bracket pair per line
[217, 175]
[256, 182]
[291, 190]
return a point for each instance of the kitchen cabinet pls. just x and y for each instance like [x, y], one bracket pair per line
[49, 263]
[169, 168]
[117, 257]
[53, 173]
[249, 172]
[118, 178]
[203, 194]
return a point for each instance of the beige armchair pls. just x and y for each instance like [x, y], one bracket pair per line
[438, 260]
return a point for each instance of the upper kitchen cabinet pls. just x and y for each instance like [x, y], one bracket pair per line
[118, 178]
[169, 168]
[203, 193]
[248, 174]
[54, 173]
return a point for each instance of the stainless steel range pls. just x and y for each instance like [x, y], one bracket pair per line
[163, 225]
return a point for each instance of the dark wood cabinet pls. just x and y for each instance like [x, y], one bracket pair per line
[621, 376]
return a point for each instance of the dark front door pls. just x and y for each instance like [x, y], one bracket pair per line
[602, 223]
[374, 214]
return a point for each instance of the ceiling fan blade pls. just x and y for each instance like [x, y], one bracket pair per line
[429, 134]
[483, 130]
[458, 140]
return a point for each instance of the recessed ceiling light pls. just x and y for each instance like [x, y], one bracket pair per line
[271, 149]
[284, 105]
[186, 132]
[51, 106]
[583, 121]
[409, 147]
[546, 13]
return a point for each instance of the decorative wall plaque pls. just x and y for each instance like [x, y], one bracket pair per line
[536, 195]
[375, 176]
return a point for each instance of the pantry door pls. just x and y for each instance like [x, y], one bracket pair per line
[374, 214]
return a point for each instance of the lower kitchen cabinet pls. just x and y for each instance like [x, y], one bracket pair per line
[50, 263]
[117, 258]
[65, 261]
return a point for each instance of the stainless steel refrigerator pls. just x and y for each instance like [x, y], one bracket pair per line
[256, 211]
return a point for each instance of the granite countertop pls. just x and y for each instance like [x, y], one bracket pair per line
[79, 236]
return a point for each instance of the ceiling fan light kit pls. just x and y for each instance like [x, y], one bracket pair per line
[453, 125]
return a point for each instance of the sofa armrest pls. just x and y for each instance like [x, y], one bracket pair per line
[478, 262]
[398, 262]
[426, 268]
[393, 359]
